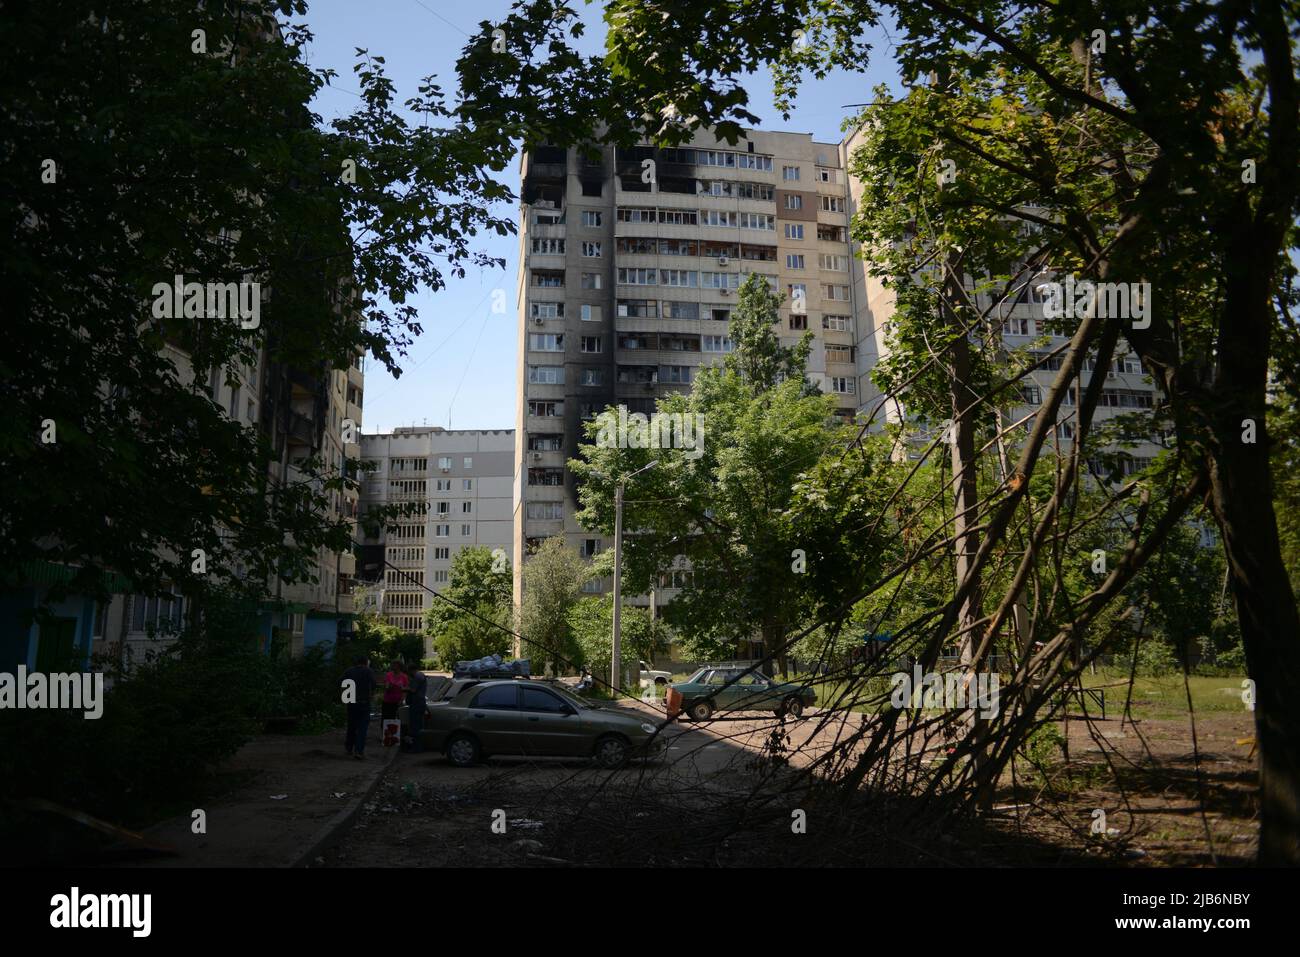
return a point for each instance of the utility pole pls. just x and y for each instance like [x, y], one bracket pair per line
[616, 663]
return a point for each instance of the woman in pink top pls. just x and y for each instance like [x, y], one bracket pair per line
[395, 686]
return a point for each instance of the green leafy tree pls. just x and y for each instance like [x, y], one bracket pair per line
[150, 140]
[553, 577]
[592, 622]
[478, 623]
[753, 507]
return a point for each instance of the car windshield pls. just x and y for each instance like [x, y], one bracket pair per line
[698, 676]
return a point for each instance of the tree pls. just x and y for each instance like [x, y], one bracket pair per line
[152, 140]
[553, 575]
[738, 505]
[591, 620]
[478, 623]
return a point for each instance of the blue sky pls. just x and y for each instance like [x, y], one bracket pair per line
[461, 371]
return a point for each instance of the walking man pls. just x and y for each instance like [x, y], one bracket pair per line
[363, 680]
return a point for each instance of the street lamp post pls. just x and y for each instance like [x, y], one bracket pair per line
[616, 664]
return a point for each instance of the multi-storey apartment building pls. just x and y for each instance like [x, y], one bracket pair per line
[629, 265]
[461, 482]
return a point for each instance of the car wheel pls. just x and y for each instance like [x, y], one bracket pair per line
[463, 751]
[701, 711]
[611, 752]
[792, 706]
[661, 681]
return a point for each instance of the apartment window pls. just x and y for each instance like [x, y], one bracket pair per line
[835, 292]
[716, 343]
[545, 442]
[469, 461]
[546, 510]
[591, 187]
[790, 172]
[793, 202]
[676, 374]
[465, 531]
[793, 261]
[593, 377]
[444, 462]
[638, 277]
[591, 250]
[591, 280]
[720, 280]
[757, 221]
[546, 375]
[467, 485]
[548, 247]
[444, 508]
[548, 310]
[679, 277]
[798, 293]
[548, 280]
[234, 402]
[635, 215]
[836, 323]
[1018, 326]
[589, 313]
[590, 343]
[589, 548]
[639, 308]
[1131, 365]
[590, 218]
[681, 310]
[825, 175]
[720, 315]
[466, 508]
[834, 234]
[441, 553]
[542, 476]
[440, 576]
[442, 531]
[546, 341]
[763, 191]
[844, 385]
[839, 353]
[832, 204]
[543, 408]
[717, 217]
[833, 263]
[679, 217]
[798, 323]
[1032, 394]
[793, 231]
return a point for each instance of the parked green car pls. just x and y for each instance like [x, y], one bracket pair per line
[517, 716]
[716, 688]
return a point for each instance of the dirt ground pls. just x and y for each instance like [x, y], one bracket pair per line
[700, 807]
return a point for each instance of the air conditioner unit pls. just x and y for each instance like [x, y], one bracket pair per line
[445, 470]
[723, 261]
[725, 292]
[537, 456]
[539, 320]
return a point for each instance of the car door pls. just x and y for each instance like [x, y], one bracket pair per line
[550, 725]
[751, 693]
[721, 691]
[493, 716]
